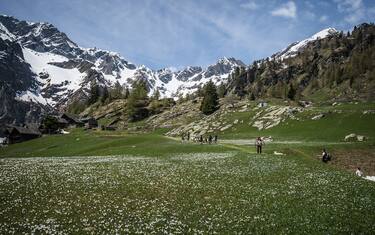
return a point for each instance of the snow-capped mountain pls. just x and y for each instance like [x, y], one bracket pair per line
[294, 48]
[61, 66]
[42, 69]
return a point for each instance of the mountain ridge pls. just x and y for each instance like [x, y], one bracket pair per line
[60, 72]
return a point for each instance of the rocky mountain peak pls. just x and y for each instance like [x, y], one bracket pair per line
[293, 49]
[57, 71]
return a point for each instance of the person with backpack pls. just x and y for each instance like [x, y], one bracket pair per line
[182, 138]
[259, 143]
[325, 156]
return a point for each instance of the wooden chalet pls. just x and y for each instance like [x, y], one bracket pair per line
[71, 119]
[17, 134]
[62, 123]
[90, 122]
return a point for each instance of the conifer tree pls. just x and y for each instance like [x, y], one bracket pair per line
[210, 101]
[126, 92]
[94, 93]
[156, 95]
[292, 92]
[117, 91]
[104, 97]
[221, 90]
[137, 101]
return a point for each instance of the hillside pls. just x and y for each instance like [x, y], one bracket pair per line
[338, 66]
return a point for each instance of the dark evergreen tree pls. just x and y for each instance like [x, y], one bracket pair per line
[126, 93]
[94, 93]
[105, 95]
[49, 124]
[117, 91]
[137, 101]
[210, 102]
[221, 90]
[156, 95]
[252, 96]
[292, 92]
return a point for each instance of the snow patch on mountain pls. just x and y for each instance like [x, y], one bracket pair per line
[294, 48]
[29, 96]
[48, 74]
[5, 34]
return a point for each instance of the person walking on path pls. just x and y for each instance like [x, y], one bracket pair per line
[259, 143]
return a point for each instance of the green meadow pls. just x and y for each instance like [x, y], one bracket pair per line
[89, 182]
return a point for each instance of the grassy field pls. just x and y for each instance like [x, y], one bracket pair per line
[154, 184]
[102, 143]
[115, 182]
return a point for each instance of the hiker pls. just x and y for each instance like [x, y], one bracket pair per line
[210, 139]
[259, 143]
[215, 139]
[325, 156]
[358, 172]
[188, 136]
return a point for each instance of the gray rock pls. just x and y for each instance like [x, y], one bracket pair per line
[317, 117]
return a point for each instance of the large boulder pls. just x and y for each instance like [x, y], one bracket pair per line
[317, 117]
[355, 137]
[351, 137]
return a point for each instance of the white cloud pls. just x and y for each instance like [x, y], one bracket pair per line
[354, 10]
[349, 5]
[287, 10]
[323, 18]
[250, 5]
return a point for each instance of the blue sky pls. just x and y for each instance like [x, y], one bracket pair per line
[176, 33]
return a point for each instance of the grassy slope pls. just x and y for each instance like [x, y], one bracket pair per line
[333, 127]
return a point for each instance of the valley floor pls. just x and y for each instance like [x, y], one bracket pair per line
[113, 182]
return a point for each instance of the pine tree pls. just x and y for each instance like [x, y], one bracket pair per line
[251, 96]
[104, 97]
[137, 101]
[210, 101]
[117, 91]
[50, 124]
[156, 95]
[126, 93]
[292, 92]
[94, 93]
[221, 90]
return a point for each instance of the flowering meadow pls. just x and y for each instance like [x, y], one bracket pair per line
[199, 193]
